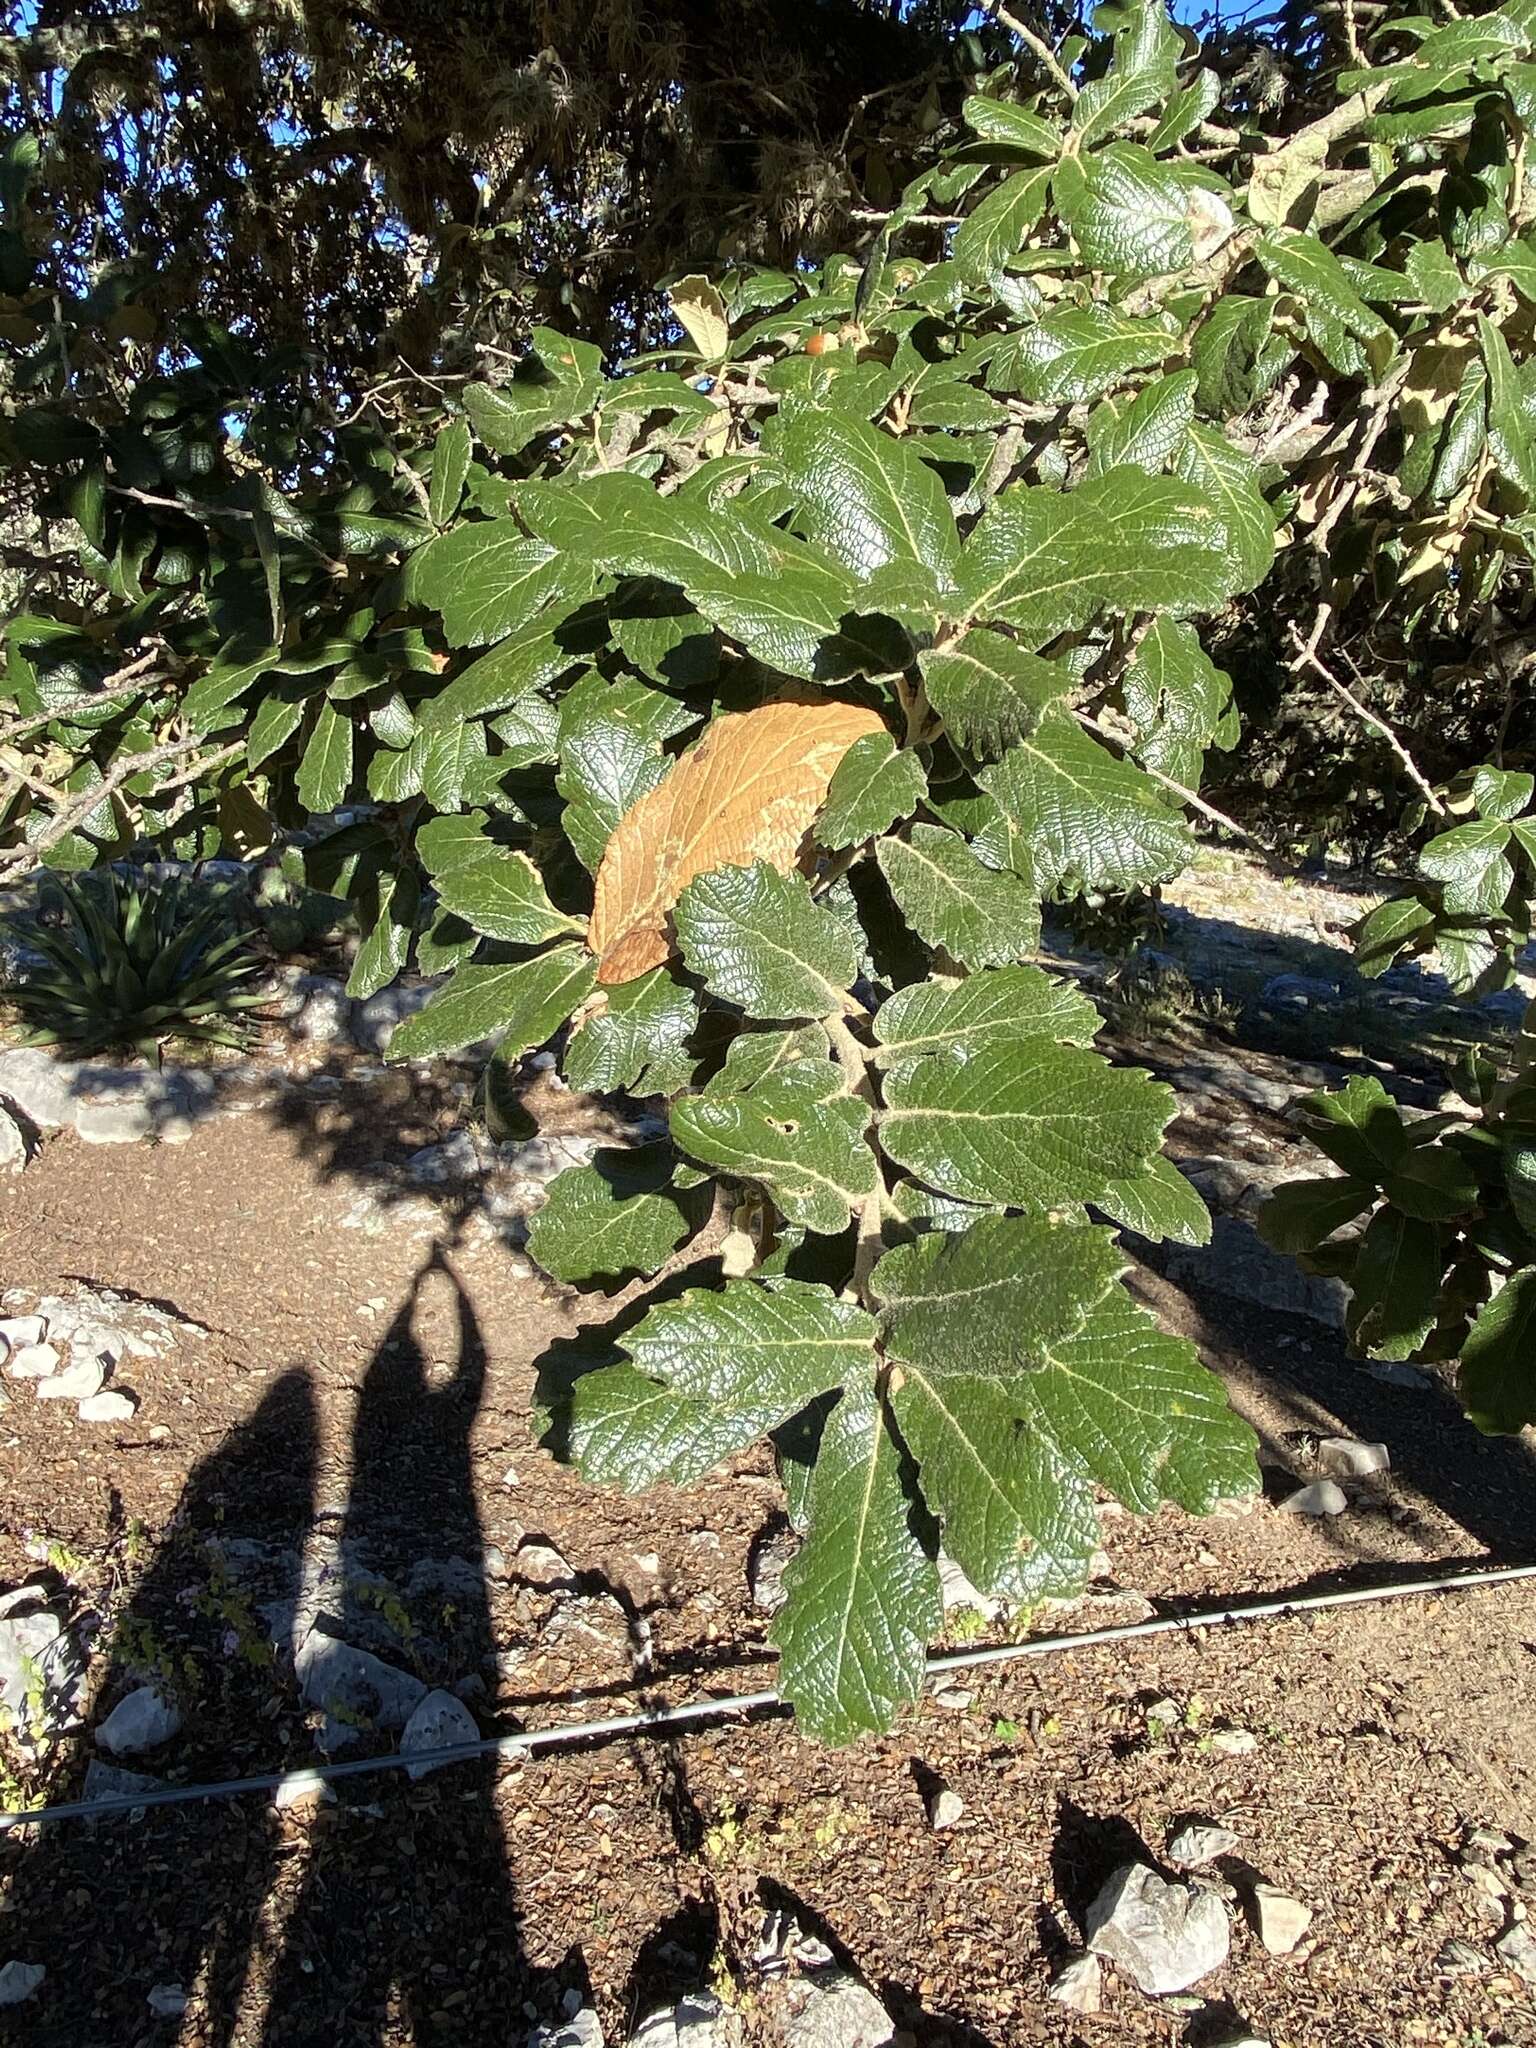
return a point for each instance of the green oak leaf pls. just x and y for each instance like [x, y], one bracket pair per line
[1359, 1126]
[997, 1007]
[383, 954]
[1395, 1285]
[1471, 863]
[613, 1217]
[1089, 819]
[1075, 354]
[862, 1593]
[1227, 480]
[752, 1056]
[444, 843]
[450, 468]
[993, 232]
[1300, 1214]
[989, 690]
[992, 1300]
[1138, 1414]
[1129, 214]
[1335, 312]
[612, 740]
[1158, 1204]
[1015, 127]
[503, 896]
[709, 1373]
[1178, 699]
[325, 772]
[1026, 1123]
[1391, 928]
[1147, 430]
[1009, 1466]
[488, 578]
[980, 916]
[509, 671]
[756, 938]
[864, 496]
[1498, 1359]
[1044, 561]
[451, 761]
[526, 1002]
[794, 1132]
[638, 1040]
[875, 784]
[1017, 1519]
[1502, 792]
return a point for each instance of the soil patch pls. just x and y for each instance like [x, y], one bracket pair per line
[342, 1431]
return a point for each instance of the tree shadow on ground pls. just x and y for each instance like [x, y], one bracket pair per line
[1486, 1485]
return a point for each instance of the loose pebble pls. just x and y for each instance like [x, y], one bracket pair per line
[77, 1382]
[440, 1721]
[1279, 1920]
[1200, 1843]
[111, 1405]
[1078, 1985]
[1460, 1959]
[1234, 1742]
[301, 1787]
[1322, 1497]
[1518, 1949]
[945, 1807]
[33, 1362]
[1164, 1937]
[541, 1565]
[1345, 1457]
[141, 1721]
[18, 1982]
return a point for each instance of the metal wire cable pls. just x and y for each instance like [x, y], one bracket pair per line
[655, 1720]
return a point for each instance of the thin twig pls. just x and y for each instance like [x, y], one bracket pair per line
[12, 765]
[116, 685]
[1351, 33]
[1307, 656]
[192, 508]
[1192, 797]
[1508, 681]
[1037, 43]
[874, 215]
[124, 769]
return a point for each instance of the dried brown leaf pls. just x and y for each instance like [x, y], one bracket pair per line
[747, 791]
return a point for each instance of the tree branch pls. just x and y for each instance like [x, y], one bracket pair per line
[1048, 59]
[1307, 656]
[124, 769]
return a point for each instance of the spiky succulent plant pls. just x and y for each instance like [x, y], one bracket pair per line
[133, 964]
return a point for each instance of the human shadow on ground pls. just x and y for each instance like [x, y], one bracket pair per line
[175, 1899]
[406, 1923]
[388, 1917]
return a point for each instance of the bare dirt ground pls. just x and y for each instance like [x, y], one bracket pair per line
[341, 1380]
